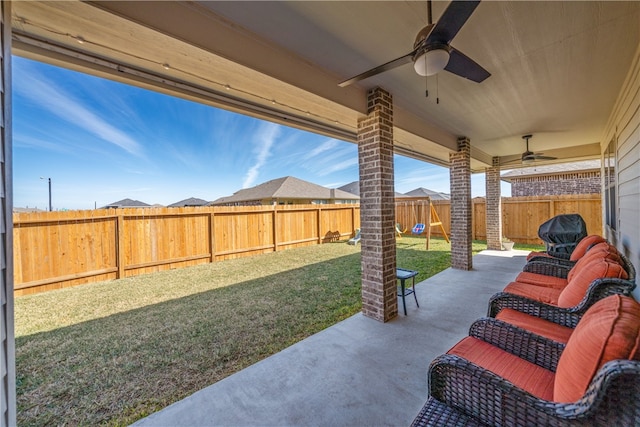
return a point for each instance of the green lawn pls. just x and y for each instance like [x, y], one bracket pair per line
[113, 352]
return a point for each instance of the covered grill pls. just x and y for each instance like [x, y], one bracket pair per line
[562, 233]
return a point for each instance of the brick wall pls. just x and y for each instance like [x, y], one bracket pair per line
[558, 184]
[461, 208]
[377, 208]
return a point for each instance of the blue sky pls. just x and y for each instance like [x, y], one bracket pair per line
[100, 141]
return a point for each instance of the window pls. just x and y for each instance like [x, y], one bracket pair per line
[610, 204]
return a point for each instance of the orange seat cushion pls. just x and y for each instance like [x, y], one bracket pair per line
[541, 280]
[575, 291]
[609, 330]
[538, 326]
[521, 373]
[538, 293]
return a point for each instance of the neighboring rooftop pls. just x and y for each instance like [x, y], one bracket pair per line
[354, 188]
[191, 201]
[285, 188]
[425, 192]
[583, 166]
[127, 203]
[27, 210]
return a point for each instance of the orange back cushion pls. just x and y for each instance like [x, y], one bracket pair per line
[601, 250]
[577, 287]
[609, 330]
[584, 245]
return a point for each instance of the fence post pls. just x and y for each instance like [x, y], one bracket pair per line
[474, 220]
[275, 228]
[212, 235]
[353, 218]
[120, 246]
[319, 225]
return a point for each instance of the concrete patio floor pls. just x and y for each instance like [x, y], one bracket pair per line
[359, 372]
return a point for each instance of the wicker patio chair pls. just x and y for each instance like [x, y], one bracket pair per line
[557, 268]
[469, 394]
[531, 347]
[581, 248]
[569, 316]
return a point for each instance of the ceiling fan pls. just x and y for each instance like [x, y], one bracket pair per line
[432, 51]
[529, 156]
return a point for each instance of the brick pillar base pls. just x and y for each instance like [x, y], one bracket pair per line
[377, 208]
[461, 208]
[494, 206]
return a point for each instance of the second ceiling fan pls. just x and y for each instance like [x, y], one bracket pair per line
[432, 51]
[529, 156]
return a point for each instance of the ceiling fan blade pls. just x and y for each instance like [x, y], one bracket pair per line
[463, 66]
[529, 157]
[510, 161]
[452, 19]
[405, 59]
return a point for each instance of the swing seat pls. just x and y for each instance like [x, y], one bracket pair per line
[417, 229]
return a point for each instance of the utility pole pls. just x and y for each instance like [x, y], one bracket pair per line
[50, 207]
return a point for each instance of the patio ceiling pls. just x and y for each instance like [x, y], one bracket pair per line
[557, 67]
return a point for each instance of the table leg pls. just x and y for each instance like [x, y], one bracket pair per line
[404, 304]
[413, 287]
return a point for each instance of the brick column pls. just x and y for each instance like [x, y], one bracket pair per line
[377, 208]
[494, 206]
[461, 208]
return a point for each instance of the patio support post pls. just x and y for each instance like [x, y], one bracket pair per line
[494, 206]
[377, 208]
[461, 207]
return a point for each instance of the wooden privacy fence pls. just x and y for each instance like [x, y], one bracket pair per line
[521, 216]
[59, 249]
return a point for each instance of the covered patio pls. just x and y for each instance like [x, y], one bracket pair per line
[566, 72]
[359, 371]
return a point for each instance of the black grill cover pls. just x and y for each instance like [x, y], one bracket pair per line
[562, 233]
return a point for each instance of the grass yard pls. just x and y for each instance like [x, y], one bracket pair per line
[113, 352]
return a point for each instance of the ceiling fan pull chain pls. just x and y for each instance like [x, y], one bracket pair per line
[426, 86]
[437, 91]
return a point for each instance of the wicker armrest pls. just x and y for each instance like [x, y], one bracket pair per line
[552, 313]
[628, 266]
[517, 341]
[602, 288]
[613, 397]
[552, 260]
[547, 268]
[598, 289]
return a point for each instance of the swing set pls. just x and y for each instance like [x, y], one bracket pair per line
[423, 213]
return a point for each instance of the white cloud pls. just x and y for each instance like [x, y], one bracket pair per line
[432, 177]
[27, 141]
[266, 136]
[325, 146]
[336, 167]
[46, 94]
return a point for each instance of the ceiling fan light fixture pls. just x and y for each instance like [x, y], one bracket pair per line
[431, 62]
